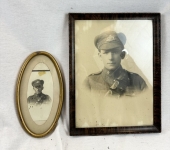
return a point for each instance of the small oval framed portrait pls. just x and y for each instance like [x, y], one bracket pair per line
[39, 93]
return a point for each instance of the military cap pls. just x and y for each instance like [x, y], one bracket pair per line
[108, 40]
[37, 82]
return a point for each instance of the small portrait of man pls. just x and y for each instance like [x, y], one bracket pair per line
[38, 98]
[113, 80]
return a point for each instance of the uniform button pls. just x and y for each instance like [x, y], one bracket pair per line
[108, 72]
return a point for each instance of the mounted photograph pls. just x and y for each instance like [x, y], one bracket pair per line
[39, 93]
[112, 66]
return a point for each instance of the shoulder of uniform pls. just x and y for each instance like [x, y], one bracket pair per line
[132, 73]
[97, 73]
[138, 81]
[45, 97]
[135, 75]
[30, 97]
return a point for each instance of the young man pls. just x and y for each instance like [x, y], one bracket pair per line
[113, 79]
[38, 97]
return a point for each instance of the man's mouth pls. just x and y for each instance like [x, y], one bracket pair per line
[112, 63]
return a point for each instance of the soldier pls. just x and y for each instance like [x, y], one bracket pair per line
[113, 79]
[38, 97]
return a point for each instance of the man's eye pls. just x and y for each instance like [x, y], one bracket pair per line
[115, 52]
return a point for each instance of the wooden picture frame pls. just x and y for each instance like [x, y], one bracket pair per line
[39, 94]
[82, 28]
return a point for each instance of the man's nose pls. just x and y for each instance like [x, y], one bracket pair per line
[111, 55]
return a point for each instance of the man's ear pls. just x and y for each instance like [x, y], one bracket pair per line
[122, 55]
[99, 54]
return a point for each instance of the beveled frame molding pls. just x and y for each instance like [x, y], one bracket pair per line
[156, 127]
[61, 94]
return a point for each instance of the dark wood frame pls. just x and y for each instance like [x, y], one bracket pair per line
[156, 127]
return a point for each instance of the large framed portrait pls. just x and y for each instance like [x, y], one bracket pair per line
[115, 73]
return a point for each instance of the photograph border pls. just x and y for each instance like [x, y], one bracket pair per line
[61, 94]
[156, 127]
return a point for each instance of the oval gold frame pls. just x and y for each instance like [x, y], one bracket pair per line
[21, 72]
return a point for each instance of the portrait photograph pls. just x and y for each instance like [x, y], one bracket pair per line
[113, 73]
[39, 94]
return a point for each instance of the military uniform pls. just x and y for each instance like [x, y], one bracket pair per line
[108, 98]
[39, 99]
[113, 79]
[117, 83]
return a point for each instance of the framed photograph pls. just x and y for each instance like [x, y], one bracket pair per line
[115, 73]
[39, 93]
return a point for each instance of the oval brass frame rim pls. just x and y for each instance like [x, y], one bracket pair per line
[61, 96]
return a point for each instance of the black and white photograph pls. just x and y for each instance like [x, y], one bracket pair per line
[114, 73]
[40, 93]
[84, 74]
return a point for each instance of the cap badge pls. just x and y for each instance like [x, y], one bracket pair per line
[110, 38]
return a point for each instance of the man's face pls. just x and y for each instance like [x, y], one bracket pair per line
[111, 58]
[38, 89]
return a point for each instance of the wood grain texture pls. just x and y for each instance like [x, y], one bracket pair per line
[156, 127]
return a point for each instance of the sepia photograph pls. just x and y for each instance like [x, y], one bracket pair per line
[39, 93]
[114, 73]
[119, 68]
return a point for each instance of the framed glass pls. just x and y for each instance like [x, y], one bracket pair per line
[39, 94]
[115, 70]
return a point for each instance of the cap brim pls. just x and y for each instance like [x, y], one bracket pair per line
[37, 84]
[110, 45]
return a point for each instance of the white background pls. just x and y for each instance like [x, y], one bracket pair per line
[28, 26]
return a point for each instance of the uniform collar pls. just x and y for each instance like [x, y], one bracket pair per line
[38, 95]
[112, 73]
